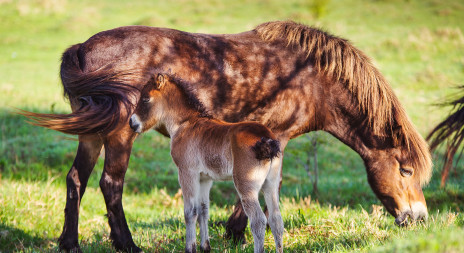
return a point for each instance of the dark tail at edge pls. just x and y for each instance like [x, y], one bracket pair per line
[451, 132]
[102, 95]
[266, 148]
[452, 128]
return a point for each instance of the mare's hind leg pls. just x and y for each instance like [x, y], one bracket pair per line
[203, 213]
[117, 152]
[271, 196]
[76, 181]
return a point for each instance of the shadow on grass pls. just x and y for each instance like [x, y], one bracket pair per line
[13, 239]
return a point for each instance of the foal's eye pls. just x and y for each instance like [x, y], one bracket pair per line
[406, 172]
[145, 100]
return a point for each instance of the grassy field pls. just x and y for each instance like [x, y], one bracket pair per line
[418, 45]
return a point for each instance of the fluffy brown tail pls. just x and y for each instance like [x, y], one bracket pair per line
[266, 148]
[103, 97]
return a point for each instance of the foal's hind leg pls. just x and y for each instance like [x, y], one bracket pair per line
[117, 152]
[257, 218]
[271, 196]
[237, 222]
[248, 182]
[203, 213]
[76, 181]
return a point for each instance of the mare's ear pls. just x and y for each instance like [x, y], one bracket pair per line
[160, 80]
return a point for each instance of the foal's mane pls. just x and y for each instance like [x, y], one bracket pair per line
[186, 89]
[342, 62]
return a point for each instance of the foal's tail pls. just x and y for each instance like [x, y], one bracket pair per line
[101, 99]
[266, 148]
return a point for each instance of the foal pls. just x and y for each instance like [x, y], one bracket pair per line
[206, 149]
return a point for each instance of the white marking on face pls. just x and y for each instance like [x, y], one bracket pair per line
[419, 210]
[136, 123]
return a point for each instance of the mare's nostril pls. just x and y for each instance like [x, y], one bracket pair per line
[130, 122]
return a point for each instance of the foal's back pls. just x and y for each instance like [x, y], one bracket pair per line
[212, 145]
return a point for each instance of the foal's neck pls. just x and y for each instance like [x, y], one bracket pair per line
[178, 112]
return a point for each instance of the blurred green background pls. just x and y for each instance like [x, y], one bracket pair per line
[417, 45]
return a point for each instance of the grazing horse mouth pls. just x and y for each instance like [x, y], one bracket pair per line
[418, 212]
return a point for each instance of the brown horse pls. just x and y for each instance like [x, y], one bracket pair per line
[287, 76]
[206, 149]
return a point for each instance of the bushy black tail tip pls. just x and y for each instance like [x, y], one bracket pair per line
[266, 148]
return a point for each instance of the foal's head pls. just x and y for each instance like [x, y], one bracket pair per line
[150, 108]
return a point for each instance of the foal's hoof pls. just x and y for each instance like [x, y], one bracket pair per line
[206, 248]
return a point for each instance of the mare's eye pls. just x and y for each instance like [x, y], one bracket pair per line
[406, 172]
[145, 100]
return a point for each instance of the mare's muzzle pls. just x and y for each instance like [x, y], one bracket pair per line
[418, 212]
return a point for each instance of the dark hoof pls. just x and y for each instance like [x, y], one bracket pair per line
[71, 250]
[132, 249]
[71, 246]
[205, 249]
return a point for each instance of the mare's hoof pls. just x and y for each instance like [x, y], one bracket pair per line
[132, 249]
[70, 246]
[71, 250]
[129, 247]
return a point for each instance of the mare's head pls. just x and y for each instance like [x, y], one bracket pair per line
[151, 105]
[397, 173]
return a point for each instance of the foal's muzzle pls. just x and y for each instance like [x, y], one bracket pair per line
[135, 124]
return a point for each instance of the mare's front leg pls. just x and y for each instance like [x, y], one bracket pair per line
[76, 182]
[117, 152]
[203, 213]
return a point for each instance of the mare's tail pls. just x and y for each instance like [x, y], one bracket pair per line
[101, 99]
[266, 148]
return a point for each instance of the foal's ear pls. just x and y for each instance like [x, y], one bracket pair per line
[160, 80]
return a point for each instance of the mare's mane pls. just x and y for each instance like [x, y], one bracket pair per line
[344, 63]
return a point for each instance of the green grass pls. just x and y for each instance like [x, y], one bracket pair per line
[418, 45]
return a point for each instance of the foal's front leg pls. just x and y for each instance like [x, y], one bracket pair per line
[190, 184]
[203, 213]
